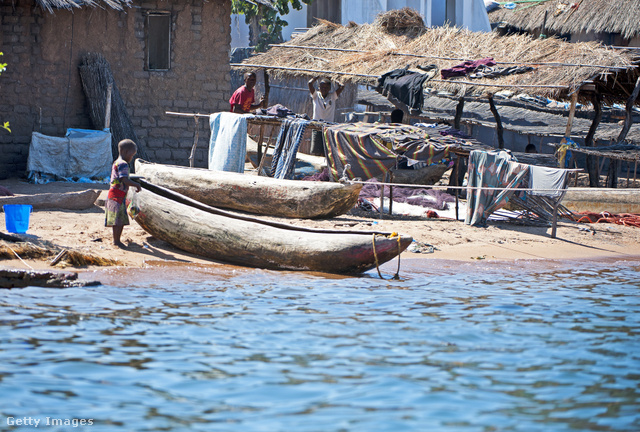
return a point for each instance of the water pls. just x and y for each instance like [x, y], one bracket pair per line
[477, 347]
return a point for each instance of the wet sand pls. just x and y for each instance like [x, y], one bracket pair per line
[84, 230]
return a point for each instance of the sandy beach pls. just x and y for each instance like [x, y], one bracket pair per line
[440, 239]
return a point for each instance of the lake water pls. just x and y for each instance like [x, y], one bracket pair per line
[476, 347]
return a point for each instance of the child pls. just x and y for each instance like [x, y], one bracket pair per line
[324, 100]
[115, 207]
[242, 100]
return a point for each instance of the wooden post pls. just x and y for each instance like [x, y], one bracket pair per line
[592, 163]
[612, 178]
[555, 218]
[267, 88]
[195, 143]
[384, 179]
[260, 139]
[629, 115]
[457, 190]
[459, 108]
[391, 191]
[572, 113]
[499, 129]
[107, 112]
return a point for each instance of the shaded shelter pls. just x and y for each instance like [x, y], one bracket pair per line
[617, 21]
[362, 53]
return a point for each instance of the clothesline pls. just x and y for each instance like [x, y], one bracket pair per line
[552, 64]
[462, 187]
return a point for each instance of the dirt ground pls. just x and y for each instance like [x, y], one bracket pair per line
[448, 239]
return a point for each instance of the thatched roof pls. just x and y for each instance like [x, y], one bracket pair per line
[598, 16]
[50, 5]
[399, 38]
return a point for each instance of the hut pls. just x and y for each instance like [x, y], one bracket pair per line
[585, 72]
[612, 22]
[162, 55]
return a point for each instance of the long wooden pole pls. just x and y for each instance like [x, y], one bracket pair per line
[553, 64]
[195, 143]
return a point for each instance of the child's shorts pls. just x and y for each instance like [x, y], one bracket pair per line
[115, 213]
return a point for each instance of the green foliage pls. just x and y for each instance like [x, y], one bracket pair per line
[269, 20]
[3, 67]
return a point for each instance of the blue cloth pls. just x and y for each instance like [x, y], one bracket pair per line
[284, 154]
[228, 144]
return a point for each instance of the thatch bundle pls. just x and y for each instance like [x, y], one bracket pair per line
[597, 16]
[401, 21]
[560, 66]
[96, 77]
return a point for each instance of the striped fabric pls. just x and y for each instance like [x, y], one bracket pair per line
[373, 149]
[284, 154]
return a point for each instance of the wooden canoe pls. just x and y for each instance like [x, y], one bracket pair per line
[244, 240]
[254, 194]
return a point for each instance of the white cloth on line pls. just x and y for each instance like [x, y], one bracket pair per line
[228, 143]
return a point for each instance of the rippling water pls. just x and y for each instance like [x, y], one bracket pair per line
[478, 347]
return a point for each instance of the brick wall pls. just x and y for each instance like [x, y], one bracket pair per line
[41, 88]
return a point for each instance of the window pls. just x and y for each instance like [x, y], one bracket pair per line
[450, 16]
[158, 41]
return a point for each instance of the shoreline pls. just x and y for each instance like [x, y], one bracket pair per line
[451, 240]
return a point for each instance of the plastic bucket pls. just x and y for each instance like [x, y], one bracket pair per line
[16, 217]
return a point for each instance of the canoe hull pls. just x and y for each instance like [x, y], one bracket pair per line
[254, 243]
[254, 194]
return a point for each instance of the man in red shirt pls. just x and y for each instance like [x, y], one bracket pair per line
[242, 100]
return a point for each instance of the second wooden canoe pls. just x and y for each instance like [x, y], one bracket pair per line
[254, 194]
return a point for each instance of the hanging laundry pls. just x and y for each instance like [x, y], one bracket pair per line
[406, 85]
[484, 71]
[284, 154]
[466, 67]
[228, 143]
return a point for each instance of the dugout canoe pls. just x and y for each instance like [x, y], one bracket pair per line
[249, 241]
[254, 194]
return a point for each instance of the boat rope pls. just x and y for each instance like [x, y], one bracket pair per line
[375, 256]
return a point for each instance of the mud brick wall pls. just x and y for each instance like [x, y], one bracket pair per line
[41, 89]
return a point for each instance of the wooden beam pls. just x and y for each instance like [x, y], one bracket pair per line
[628, 120]
[499, 128]
[592, 163]
[459, 108]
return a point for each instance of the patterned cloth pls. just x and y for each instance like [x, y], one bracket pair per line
[115, 207]
[491, 169]
[228, 144]
[284, 154]
[373, 149]
[466, 67]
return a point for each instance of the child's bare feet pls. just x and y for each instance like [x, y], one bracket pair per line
[120, 245]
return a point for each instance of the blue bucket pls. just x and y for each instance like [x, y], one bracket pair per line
[16, 217]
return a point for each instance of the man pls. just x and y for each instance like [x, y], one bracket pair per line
[242, 100]
[324, 101]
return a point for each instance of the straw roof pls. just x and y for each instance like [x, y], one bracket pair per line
[598, 16]
[560, 67]
[50, 5]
